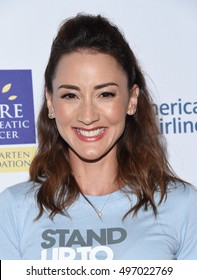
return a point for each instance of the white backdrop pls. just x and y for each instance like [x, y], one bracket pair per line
[163, 35]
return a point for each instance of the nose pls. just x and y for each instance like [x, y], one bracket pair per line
[88, 113]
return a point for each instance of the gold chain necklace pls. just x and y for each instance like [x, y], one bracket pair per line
[98, 212]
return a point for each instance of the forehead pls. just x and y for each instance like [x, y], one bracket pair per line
[88, 64]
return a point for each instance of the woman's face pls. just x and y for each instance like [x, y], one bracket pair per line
[90, 102]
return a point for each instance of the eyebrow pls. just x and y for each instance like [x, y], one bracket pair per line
[106, 85]
[96, 87]
[69, 87]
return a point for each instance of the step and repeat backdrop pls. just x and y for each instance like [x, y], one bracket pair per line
[162, 34]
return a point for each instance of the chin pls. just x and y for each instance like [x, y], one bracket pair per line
[90, 158]
[92, 155]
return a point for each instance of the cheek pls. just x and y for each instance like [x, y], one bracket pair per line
[116, 114]
[63, 114]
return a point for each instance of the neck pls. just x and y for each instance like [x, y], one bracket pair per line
[95, 178]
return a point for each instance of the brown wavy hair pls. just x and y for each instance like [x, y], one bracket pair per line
[141, 154]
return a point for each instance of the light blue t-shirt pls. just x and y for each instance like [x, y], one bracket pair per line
[172, 235]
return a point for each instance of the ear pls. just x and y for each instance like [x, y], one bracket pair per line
[133, 100]
[48, 96]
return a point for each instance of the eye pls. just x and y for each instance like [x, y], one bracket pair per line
[107, 94]
[69, 96]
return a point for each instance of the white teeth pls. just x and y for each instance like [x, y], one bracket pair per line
[90, 133]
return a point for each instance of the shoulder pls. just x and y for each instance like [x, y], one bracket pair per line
[182, 197]
[18, 193]
[181, 191]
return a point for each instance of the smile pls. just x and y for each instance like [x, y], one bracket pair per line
[90, 133]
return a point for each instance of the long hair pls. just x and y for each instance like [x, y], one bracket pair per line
[141, 154]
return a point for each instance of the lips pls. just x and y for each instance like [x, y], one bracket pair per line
[90, 134]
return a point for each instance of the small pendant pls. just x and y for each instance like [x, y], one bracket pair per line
[100, 214]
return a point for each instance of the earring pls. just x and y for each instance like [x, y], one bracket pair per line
[51, 116]
[132, 112]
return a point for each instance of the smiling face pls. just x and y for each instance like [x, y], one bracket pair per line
[90, 101]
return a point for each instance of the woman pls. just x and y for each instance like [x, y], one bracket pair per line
[100, 184]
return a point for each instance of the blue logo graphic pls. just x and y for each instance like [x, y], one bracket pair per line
[178, 117]
[17, 124]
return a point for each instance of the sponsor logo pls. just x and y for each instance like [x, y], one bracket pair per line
[17, 124]
[179, 117]
[16, 159]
